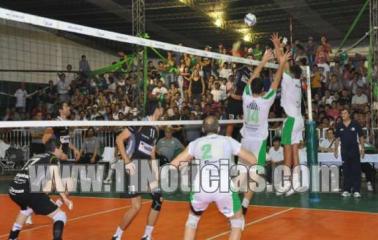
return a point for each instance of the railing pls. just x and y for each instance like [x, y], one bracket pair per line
[21, 138]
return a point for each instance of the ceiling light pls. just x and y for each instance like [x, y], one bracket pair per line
[247, 37]
[218, 22]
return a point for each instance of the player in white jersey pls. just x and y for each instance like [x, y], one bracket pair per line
[256, 107]
[291, 98]
[210, 150]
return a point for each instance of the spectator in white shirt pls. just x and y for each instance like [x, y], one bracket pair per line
[328, 98]
[327, 144]
[63, 88]
[159, 91]
[359, 100]
[275, 154]
[274, 158]
[325, 69]
[84, 67]
[70, 76]
[112, 86]
[21, 94]
[225, 71]
[218, 94]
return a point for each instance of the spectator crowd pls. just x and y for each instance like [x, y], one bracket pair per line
[193, 87]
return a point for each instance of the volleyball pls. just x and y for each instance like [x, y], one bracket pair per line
[250, 19]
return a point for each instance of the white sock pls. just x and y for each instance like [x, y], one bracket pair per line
[245, 202]
[119, 232]
[148, 231]
[16, 227]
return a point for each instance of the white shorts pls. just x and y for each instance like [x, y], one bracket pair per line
[257, 147]
[228, 203]
[292, 130]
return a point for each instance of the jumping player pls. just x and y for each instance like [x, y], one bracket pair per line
[256, 106]
[291, 98]
[39, 203]
[210, 150]
[142, 146]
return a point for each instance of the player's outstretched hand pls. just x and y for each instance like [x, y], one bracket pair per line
[285, 57]
[130, 167]
[268, 55]
[276, 40]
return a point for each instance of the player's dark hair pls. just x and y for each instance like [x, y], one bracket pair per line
[61, 104]
[152, 107]
[257, 85]
[296, 70]
[210, 125]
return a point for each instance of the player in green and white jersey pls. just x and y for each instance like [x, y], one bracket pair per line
[210, 150]
[291, 97]
[256, 107]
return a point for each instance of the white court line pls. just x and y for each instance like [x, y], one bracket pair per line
[253, 222]
[78, 218]
[252, 205]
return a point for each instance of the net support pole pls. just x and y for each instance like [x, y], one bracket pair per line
[145, 78]
[311, 144]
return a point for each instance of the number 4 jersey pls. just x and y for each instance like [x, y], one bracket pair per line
[256, 113]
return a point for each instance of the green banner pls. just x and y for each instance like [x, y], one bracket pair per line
[114, 67]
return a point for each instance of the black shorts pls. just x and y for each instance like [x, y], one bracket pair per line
[39, 202]
[234, 109]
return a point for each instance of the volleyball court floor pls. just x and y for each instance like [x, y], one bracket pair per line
[97, 218]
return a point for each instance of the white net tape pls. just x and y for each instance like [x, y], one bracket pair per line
[81, 123]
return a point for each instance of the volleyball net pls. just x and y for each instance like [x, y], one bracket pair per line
[110, 79]
[36, 50]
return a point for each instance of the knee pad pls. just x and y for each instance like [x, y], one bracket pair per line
[60, 216]
[27, 212]
[157, 200]
[237, 223]
[192, 221]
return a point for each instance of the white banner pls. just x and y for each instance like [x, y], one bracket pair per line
[89, 31]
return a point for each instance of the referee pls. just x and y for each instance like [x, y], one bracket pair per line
[348, 132]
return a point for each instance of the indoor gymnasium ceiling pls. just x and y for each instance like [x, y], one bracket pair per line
[192, 22]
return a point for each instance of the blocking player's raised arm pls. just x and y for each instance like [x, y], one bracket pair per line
[268, 55]
[121, 138]
[278, 76]
[184, 156]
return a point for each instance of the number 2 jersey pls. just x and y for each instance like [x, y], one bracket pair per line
[256, 113]
[209, 151]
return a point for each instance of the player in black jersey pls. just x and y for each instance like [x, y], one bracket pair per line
[39, 203]
[61, 135]
[141, 145]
